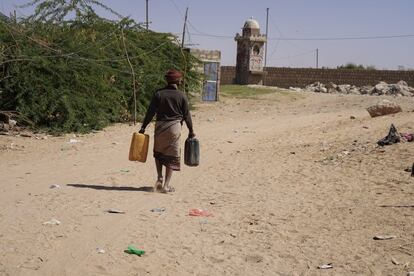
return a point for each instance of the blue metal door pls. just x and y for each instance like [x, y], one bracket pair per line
[211, 70]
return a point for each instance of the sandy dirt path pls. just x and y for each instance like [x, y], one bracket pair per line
[292, 182]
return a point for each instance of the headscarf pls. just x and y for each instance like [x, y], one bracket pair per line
[173, 76]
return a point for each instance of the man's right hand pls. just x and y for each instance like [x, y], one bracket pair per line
[191, 135]
[142, 130]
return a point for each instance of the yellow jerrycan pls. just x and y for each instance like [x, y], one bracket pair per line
[139, 147]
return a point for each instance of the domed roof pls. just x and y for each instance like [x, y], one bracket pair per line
[251, 24]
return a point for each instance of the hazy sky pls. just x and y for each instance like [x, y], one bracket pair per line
[299, 19]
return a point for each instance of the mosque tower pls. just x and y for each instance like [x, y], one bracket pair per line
[250, 54]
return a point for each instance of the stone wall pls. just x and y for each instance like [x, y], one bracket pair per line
[300, 77]
[206, 55]
[228, 74]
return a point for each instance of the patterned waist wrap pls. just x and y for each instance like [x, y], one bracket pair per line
[167, 148]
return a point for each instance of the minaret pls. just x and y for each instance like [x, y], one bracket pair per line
[250, 53]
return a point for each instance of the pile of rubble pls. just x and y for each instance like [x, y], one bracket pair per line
[400, 88]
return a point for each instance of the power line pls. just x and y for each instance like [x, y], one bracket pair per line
[177, 8]
[316, 39]
[281, 35]
[350, 38]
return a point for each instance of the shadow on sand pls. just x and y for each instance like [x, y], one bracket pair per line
[112, 188]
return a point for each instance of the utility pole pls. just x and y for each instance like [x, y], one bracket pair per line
[146, 13]
[317, 58]
[185, 25]
[267, 28]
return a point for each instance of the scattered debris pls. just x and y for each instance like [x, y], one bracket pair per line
[392, 137]
[100, 250]
[200, 213]
[352, 117]
[73, 141]
[135, 251]
[158, 210]
[52, 222]
[202, 223]
[394, 261]
[115, 211]
[326, 266]
[212, 203]
[384, 237]
[412, 171]
[400, 88]
[384, 107]
[407, 137]
[12, 123]
[55, 186]
[124, 171]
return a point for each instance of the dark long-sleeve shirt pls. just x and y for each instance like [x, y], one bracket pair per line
[169, 104]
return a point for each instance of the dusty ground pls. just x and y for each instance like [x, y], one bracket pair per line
[292, 182]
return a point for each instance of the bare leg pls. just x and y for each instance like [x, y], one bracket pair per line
[158, 183]
[168, 174]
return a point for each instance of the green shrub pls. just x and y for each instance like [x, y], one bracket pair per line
[73, 76]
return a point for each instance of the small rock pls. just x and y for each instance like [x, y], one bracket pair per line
[100, 250]
[6, 127]
[325, 266]
[55, 186]
[12, 123]
[115, 211]
[384, 237]
[158, 210]
[52, 222]
[394, 261]
[352, 117]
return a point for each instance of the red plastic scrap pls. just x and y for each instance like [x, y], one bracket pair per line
[200, 213]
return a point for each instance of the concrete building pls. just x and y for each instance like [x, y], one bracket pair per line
[250, 54]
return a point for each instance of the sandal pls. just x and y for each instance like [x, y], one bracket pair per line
[168, 190]
[158, 185]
